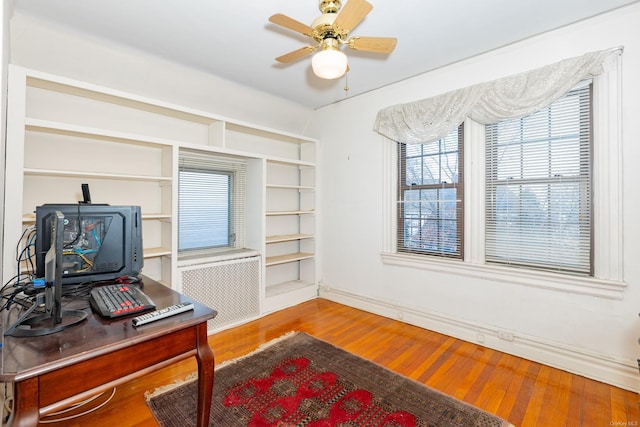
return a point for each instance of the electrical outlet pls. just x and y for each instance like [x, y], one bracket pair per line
[504, 335]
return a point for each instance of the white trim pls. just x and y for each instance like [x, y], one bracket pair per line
[474, 191]
[518, 276]
[607, 169]
[618, 372]
[389, 194]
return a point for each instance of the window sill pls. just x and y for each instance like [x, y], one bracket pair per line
[539, 279]
[202, 257]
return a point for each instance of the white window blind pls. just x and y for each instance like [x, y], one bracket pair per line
[211, 197]
[538, 183]
[430, 192]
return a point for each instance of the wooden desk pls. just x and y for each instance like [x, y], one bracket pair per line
[51, 371]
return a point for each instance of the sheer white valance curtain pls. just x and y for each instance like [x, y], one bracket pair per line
[430, 119]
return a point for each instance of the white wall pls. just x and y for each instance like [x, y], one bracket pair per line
[42, 46]
[595, 336]
[5, 17]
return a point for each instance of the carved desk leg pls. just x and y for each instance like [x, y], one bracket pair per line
[27, 412]
[204, 356]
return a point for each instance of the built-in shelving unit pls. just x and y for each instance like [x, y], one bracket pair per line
[62, 133]
[290, 225]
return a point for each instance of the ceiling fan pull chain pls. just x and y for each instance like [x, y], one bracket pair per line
[346, 82]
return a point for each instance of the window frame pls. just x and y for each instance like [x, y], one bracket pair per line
[459, 186]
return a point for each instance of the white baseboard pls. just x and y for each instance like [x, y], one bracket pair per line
[600, 367]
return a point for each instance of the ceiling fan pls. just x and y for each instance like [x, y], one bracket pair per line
[330, 31]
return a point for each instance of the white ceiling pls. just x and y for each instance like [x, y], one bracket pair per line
[234, 40]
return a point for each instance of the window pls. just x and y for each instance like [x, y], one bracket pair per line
[581, 201]
[210, 204]
[430, 207]
[538, 187]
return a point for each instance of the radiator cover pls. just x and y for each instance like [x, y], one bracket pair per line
[230, 287]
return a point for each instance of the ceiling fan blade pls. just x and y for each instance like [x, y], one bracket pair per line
[291, 24]
[352, 14]
[373, 44]
[295, 55]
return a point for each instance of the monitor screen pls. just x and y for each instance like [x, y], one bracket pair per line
[99, 242]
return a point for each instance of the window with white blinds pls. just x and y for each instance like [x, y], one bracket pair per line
[430, 197]
[538, 187]
[211, 195]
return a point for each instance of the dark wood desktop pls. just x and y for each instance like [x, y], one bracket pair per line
[49, 372]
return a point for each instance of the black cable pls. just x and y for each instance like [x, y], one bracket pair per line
[11, 299]
[31, 245]
[24, 232]
[25, 255]
[80, 290]
[17, 282]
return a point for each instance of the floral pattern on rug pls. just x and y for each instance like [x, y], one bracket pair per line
[296, 394]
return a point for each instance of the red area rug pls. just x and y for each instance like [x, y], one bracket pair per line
[302, 381]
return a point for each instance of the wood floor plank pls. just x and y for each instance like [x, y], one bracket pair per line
[494, 388]
[521, 391]
[422, 371]
[474, 384]
[550, 402]
[429, 375]
[618, 407]
[576, 401]
[597, 397]
[632, 406]
[453, 370]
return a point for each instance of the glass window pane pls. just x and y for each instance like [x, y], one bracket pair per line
[431, 170]
[203, 210]
[538, 188]
[450, 167]
[430, 210]
[413, 169]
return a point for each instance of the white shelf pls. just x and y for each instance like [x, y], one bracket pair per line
[283, 213]
[283, 259]
[291, 162]
[160, 216]
[156, 252]
[288, 237]
[291, 187]
[52, 127]
[283, 288]
[97, 175]
[280, 296]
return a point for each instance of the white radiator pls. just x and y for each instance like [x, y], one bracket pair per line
[231, 287]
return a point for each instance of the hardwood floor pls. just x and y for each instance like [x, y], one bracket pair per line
[523, 392]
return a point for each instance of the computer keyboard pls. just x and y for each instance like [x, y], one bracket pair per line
[119, 300]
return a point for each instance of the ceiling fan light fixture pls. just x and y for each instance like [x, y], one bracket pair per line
[329, 63]
[330, 31]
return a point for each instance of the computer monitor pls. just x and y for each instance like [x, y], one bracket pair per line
[100, 242]
[53, 270]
